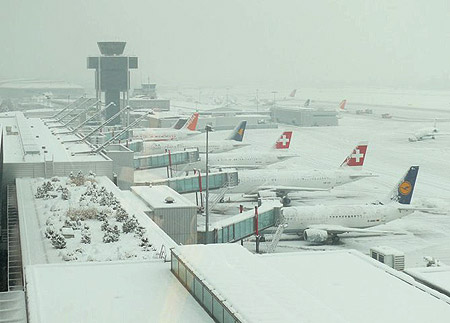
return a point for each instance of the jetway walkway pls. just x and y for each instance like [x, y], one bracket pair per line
[167, 159]
[242, 225]
[197, 182]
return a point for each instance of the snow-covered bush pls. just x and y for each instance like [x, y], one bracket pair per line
[111, 234]
[77, 180]
[65, 194]
[58, 241]
[85, 237]
[145, 244]
[130, 225]
[68, 255]
[139, 231]
[49, 231]
[81, 213]
[121, 214]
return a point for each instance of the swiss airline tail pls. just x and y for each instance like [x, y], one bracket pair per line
[342, 105]
[284, 140]
[356, 159]
[292, 94]
[191, 124]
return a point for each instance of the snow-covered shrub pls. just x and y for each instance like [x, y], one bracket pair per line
[68, 255]
[77, 180]
[111, 234]
[43, 191]
[139, 231]
[85, 237]
[49, 231]
[145, 244]
[104, 226]
[58, 241]
[121, 215]
[102, 215]
[81, 213]
[55, 179]
[130, 225]
[65, 194]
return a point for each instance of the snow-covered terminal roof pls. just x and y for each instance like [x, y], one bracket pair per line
[333, 286]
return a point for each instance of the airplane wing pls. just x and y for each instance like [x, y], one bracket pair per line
[287, 189]
[338, 229]
[362, 175]
[238, 166]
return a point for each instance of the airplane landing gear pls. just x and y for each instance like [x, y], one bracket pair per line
[335, 239]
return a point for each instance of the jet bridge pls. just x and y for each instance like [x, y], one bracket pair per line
[242, 225]
[167, 159]
[196, 183]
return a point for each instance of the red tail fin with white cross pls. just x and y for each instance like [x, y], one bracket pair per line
[284, 140]
[356, 159]
[342, 105]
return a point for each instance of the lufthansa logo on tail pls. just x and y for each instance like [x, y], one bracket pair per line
[405, 188]
[240, 131]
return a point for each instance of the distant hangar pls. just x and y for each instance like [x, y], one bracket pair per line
[304, 117]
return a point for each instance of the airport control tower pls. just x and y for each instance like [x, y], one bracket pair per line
[112, 76]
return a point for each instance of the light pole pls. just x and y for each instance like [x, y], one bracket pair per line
[257, 100]
[208, 128]
[274, 92]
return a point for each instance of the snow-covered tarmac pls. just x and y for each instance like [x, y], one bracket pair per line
[389, 155]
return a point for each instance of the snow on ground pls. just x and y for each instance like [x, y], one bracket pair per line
[389, 155]
[84, 221]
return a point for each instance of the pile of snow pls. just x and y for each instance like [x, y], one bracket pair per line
[83, 221]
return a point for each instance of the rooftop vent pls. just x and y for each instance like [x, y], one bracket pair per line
[169, 200]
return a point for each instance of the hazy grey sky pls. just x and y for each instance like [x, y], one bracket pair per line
[223, 43]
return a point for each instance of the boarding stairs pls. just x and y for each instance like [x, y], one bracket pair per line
[15, 274]
[218, 196]
[12, 307]
[276, 237]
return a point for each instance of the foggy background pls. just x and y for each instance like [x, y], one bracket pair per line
[258, 43]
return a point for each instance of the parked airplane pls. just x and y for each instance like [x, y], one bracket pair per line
[163, 134]
[281, 182]
[233, 141]
[319, 224]
[257, 159]
[424, 133]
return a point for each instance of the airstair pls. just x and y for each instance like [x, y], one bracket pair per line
[218, 196]
[276, 237]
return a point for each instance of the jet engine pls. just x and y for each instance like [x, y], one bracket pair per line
[315, 235]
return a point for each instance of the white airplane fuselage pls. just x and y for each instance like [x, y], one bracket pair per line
[251, 181]
[213, 146]
[351, 216]
[162, 134]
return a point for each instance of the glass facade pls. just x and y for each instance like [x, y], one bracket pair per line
[206, 297]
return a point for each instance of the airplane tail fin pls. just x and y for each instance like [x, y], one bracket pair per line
[403, 191]
[307, 102]
[356, 159]
[179, 124]
[238, 133]
[292, 94]
[191, 123]
[342, 105]
[284, 140]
